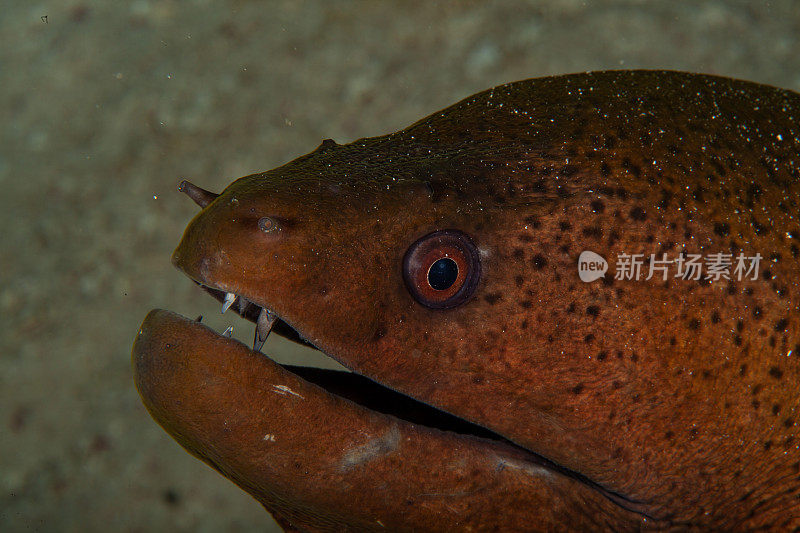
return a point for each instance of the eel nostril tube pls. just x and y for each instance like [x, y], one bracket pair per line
[200, 196]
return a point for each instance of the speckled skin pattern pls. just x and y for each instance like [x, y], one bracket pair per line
[677, 398]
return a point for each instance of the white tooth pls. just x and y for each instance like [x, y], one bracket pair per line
[228, 332]
[266, 319]
[229, 299]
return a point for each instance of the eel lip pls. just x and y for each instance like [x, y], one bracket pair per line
[301, 450]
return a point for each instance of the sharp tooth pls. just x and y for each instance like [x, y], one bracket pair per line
[263, 326]
[228, 332]
[229, 299]
[243, 303]
[199, 318]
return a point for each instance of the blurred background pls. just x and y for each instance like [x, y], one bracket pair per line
[106, 106]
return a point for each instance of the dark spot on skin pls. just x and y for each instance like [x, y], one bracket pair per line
[526, 304]
[577, 389]
[757, 312]
[788, 423]
[593, 310]
[532, 221]
[571, 308]
[722, 229]
[737, 340]
[767, 445]
[524, 324]
[757, 388]
[634, 357]
[493, 297]
[781, 324]
[588, 338]
[631, 167]
[593, 231]
[637, 213]
[539, 261]
[598, 206]
[756, 404]
[715, 317]
[693, 432]
[673, 341]
[706, 374]
[743, 370]
[524, 237]
[380, 332]
[776, 409]
[666, 196]
[605, 170]
[564, 226]
[694, 323]
[519, 254]
[323, 290]
[668, 435]
[739, 325]
[519, 281]
[568, 170]
[539, 186]
[602, 356]
[776, 372]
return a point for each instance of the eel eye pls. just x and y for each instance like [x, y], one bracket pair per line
[442, 269]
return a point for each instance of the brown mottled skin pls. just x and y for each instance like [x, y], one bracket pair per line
[663, 404]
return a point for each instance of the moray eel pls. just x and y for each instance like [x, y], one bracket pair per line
[493, 388]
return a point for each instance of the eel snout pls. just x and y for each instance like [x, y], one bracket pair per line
[293, 446]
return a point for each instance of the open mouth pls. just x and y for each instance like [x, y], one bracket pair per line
[349, 385]
[380, 399]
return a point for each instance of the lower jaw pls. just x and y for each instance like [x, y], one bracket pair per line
[319, 458]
